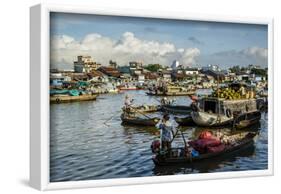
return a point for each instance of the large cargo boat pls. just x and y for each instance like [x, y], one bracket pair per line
[221, 108]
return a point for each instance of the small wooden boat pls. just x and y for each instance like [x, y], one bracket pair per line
[176, 109]
[186, 121]
[142, 109]
[129, 86]
[139, 121]
[67, 98]
[241, 142]
[247, 119]
[188, 93]
[171, 90]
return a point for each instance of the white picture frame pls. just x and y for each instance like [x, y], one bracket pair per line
[39, 102]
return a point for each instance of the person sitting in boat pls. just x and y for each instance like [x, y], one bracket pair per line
[164, 101]
[166, 132]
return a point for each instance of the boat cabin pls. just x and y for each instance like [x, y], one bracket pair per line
[221, 106]
[210, 105]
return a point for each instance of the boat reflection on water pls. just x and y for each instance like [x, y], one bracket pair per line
[209, 165]
[140, 129]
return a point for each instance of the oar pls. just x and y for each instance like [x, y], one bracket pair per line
[109, 119]
[183, 140]
[156, 99]
[175, 135]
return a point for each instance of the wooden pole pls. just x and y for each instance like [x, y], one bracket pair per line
[175, 135]
[140, 112]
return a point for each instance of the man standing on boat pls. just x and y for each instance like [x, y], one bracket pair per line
[194, 103]
[128, 103]
[164, 101]
[242, 91]
[166, 132]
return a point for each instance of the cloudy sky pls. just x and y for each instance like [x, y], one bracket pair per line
[124, 39]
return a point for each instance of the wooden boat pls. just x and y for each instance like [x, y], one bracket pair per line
[129, 86]
[188, 93]
[213, 111]
[177, 109]
[142, 109]
[247, 119]
[242, 141]
[67, 98]
[210, 119]
[139, 121]
[171, 90]
[186, 121]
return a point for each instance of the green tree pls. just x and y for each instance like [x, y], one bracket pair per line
[235, 69]
[261, 72]
[153, 67]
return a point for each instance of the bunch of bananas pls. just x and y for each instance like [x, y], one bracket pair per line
[227, 93]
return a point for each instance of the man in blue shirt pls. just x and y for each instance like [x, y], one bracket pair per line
[166, 132]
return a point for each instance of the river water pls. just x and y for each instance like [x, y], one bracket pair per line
[88, 142]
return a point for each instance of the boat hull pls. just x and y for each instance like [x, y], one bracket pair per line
[139, 121]
[65, 99]
[176, 109]
[171, 93]
[160, 160]
[129, 88]
[186, 121]
[210, 120]
[143, 109]
[247, 120]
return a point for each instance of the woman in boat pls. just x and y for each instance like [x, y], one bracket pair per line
[166, 132]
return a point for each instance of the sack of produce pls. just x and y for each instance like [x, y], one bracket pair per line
[214, 149]
[201, 145]
[205, 135]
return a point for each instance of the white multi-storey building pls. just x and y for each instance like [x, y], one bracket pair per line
[85, 64]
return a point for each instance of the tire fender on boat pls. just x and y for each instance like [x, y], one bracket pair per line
[228, 113]
[260, 106]
[57, 100]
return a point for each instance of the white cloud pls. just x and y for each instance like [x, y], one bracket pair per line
[181, 50]
[189, 56]
[62, 42]
[64, 50]
[257, 52]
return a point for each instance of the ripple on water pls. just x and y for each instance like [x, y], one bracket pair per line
[89, 142]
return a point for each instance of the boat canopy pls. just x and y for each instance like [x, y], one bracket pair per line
[220, 105]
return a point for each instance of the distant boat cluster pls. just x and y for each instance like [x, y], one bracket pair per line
[91, 78]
